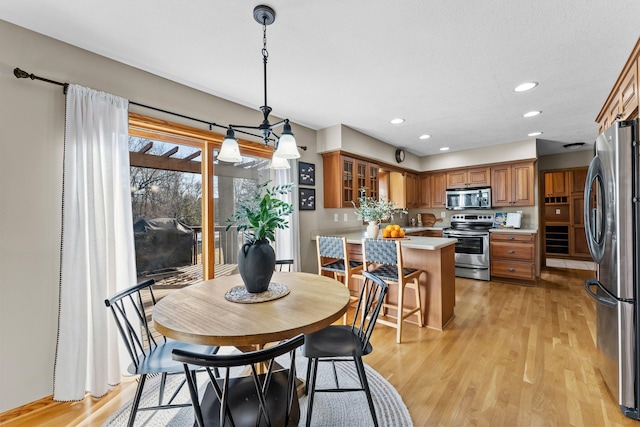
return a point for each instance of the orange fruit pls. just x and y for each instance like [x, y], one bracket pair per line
[386, 233]
[395, 233]
[396, 227]
[389, 227]
[401, 232]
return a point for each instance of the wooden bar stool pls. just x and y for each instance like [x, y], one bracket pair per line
[334, 258]
[383, 258]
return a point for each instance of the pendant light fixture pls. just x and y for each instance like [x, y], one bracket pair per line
[285, 143]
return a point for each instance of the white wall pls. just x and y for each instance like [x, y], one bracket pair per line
[341, 137]
[31, 144]
[494, 154]
[572, 159]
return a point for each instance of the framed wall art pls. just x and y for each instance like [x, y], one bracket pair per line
[306, 173]
[307, 199]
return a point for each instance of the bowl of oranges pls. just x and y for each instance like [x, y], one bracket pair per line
[393, 231]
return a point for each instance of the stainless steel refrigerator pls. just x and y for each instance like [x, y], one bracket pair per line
[612, 223]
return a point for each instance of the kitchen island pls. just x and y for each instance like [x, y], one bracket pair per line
[435, 256]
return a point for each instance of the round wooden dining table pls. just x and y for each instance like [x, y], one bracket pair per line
[200, 313]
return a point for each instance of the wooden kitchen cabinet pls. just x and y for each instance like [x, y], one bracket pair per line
[556, 185]
[403, 189]
[469, 177]
[563, 221]
[426, 233]
[424, 191]
[512, 184]
[343, 178]
[513, 256]
[438, 189]
[412, 190]
[578, 180]
[577, 236]
[623, 101]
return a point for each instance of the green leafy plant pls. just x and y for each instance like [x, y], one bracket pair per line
[370, 209]
[260, 215]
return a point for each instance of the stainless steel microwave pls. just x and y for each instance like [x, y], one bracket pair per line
[469, 198]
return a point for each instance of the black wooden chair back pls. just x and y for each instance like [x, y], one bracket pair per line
[336, 343]
[149, 351]
[261, 399]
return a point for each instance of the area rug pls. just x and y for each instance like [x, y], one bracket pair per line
[329, 409]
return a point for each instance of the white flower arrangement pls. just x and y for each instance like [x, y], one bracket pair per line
[369, 209]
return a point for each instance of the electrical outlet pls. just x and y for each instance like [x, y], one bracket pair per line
[346, 217]
[335, 217]
[557, 211]
[443, 214]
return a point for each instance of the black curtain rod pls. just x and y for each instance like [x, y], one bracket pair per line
[21, 74]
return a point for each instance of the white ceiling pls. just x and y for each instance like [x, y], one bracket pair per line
[447, 67]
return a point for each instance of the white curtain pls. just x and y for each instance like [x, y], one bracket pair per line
[97, 253]
[288, 241]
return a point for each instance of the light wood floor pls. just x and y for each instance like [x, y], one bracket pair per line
[513, 356]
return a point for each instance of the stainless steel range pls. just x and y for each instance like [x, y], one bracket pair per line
[472, 248]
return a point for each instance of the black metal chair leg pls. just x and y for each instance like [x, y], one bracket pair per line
[365, 384]
[314, 374]
[193, 392]
[306, 384]
[136, 400]
[163, 383]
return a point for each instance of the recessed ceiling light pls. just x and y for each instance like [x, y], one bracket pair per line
[535, 133]
[531, 113]
[397, 121]
[444, 148]
[425, 136]
[525, 86]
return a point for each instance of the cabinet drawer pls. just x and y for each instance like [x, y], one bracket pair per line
[512, 237]
[517, 251]
[513, 269]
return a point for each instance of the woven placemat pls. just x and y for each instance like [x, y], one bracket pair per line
[240, 294]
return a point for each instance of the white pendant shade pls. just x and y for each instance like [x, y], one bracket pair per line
[287, 148]
[279, 163]
[229, 152]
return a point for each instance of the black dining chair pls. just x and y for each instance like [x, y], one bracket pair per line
[267, 399]
[284, 265]
[340, 343]
[149, 351]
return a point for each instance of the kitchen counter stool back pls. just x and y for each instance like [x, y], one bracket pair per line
[333, 258]
[284, 265]
[383, 258]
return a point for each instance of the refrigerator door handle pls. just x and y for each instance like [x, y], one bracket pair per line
[608, 299]
[594, 229]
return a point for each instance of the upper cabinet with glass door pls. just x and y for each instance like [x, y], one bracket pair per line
[343, 176]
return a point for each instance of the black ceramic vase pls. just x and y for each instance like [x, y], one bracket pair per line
[256, 262]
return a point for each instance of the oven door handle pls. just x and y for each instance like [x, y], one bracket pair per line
[456, 235]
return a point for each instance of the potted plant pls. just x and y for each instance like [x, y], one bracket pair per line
[373, 211]
[258, 217]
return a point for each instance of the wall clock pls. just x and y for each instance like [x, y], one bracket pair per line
[400, 155]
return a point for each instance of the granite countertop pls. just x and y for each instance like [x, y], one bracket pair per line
[414, 242]
[514, 230]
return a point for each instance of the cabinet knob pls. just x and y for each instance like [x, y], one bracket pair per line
[511, 270]
[511, 251]
[512, 238]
